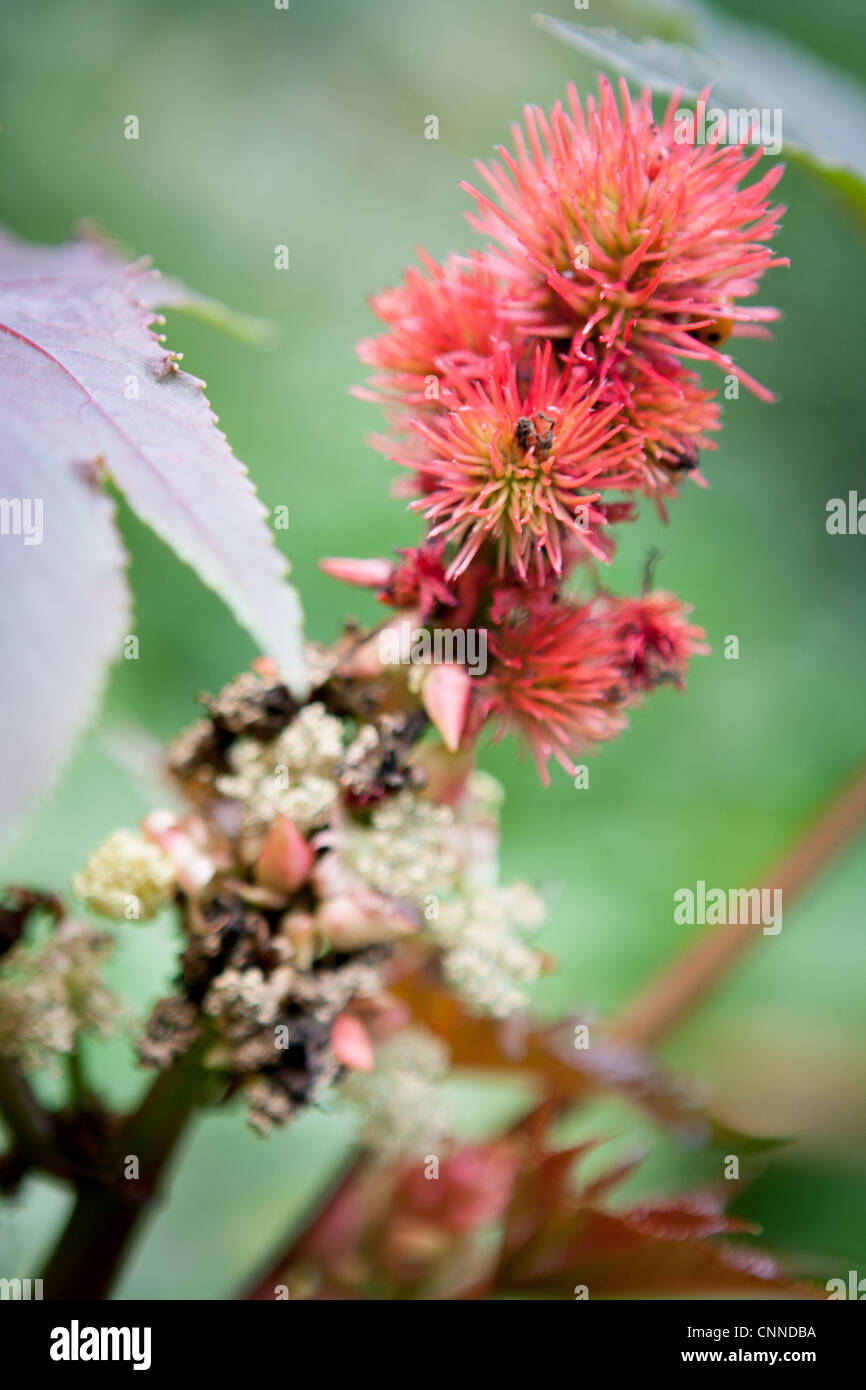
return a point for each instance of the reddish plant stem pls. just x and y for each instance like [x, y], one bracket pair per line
[681, 987]
[29, 1124]
[264, 1286]
[108, 1214]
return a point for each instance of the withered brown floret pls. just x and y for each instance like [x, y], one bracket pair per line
[376, 762]
[171, 1030]
[326, 991]
[234, 935]
[16, 907]
[249, 706]
[250, 976]
[197, 753]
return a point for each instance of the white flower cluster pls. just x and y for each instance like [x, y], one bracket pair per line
[293, 775]
[417, 851]
[244, 999]
[485, 956]
[408, 851]
[52, 991]
[404, 1109]
[128, 876]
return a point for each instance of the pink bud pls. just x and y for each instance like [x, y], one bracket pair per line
[446, 773]
[193, 868]
[389, 645]
[362, 918]
[368, 574]
[445, 695]
[351, 1045]
[285, 859]
[266, 667]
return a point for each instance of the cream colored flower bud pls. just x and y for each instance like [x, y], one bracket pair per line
[127, 877]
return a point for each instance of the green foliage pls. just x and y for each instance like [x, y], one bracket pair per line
[747, 67]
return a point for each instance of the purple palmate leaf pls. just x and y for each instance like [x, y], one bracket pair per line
[88, 393]
[64, 604]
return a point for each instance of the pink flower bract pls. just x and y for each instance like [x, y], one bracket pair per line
[555, 680]
[519, 466]
[442, 317]
[657, 640]
[630, 234]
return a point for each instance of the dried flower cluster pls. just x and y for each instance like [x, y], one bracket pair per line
[51, 986]
[321, 836]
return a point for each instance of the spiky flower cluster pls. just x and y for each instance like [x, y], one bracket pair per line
[535, 390]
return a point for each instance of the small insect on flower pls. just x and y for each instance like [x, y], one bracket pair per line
[716, 332]
[514, 468]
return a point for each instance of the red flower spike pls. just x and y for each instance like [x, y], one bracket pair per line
[443, 317]
[624, 232]
[419, 581]
[657, 641]
[518, 466]
[555, 681]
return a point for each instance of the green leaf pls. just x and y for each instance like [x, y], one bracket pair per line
[652, 62]
[823, 110]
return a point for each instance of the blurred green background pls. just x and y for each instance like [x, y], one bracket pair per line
[305, 127]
